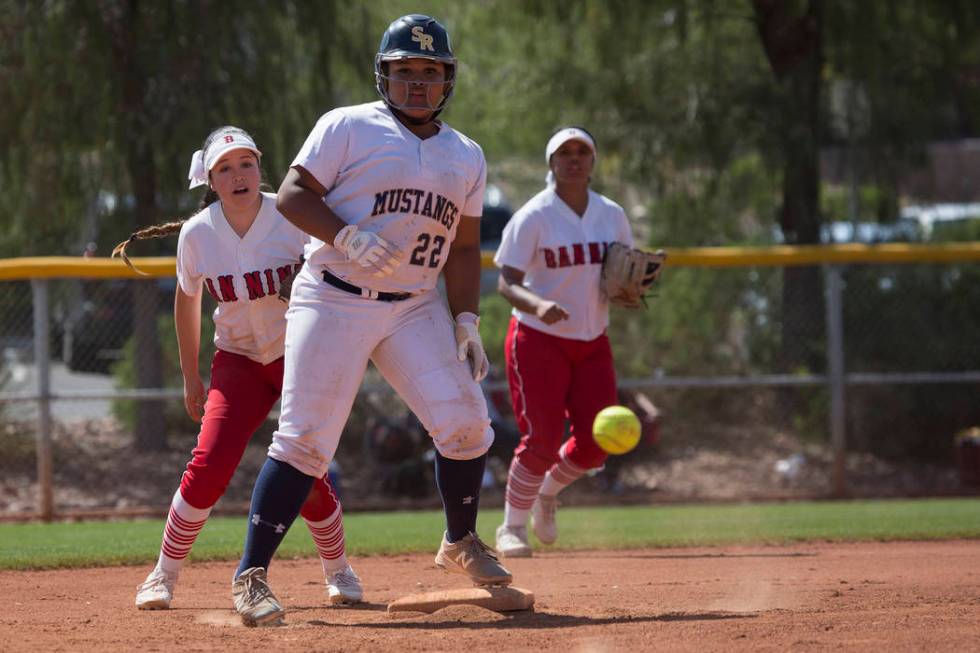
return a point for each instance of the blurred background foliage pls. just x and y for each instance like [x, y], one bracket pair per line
[711, 119]
[105, 100]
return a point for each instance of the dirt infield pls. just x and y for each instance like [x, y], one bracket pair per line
[895, 597]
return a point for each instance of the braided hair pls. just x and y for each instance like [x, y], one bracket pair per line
[156, 231]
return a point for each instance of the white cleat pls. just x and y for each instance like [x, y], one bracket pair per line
[344, 587]
[157, 591]
[543, 518]
[512, 541]
[471, 557]
[254, 601]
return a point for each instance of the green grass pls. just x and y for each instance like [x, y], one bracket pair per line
[41, 546]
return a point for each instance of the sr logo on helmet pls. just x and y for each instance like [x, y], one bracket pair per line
[424, 40]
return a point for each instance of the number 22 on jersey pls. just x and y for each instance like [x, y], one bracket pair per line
[422, 251]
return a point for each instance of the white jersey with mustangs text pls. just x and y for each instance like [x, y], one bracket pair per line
[386, 180]
[243, 275]
[561, 256]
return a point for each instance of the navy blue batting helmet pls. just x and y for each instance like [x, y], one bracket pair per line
[415, 36]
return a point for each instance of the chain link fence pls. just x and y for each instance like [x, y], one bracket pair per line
[768, 379]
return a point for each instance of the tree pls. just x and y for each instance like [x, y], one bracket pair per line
[792, 36]
[143, 82]
[710, 116]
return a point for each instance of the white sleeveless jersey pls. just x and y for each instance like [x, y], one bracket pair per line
[383, 178]
[243, 275]
[561, 256]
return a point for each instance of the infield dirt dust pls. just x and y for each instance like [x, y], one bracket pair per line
[909, 596]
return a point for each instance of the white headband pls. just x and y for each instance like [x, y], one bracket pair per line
[222, 143]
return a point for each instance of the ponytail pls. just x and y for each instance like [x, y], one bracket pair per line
[156, 231]
[159, 231]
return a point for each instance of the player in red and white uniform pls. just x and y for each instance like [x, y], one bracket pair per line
[239, 250]
[392, 198]
[559, 363]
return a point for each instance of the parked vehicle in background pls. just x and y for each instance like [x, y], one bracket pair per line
[925, 223]
[94, 339]
[945, 221]
[496, 214]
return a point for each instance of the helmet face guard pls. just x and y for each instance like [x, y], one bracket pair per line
[415, 37]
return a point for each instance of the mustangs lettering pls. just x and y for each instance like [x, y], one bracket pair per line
[409, 191]
[428, 249]
[243, 275]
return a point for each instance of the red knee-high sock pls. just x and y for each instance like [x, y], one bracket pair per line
[562, 474]
[183, 524]
[522, 488]
[328, 535]
[324, 517]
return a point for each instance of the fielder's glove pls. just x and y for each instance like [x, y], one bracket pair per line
[628, 274]
[286, 287]
[367, 250]
[470, 346]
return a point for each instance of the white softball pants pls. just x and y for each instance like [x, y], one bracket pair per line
[330, 336]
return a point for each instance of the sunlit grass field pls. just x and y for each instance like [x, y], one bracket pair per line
[100, 543]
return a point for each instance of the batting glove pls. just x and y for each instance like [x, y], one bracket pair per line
[367, 250]
[470, 346]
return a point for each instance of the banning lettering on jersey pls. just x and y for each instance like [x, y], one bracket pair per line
[420, 202]
[258, 283]
[565, 256]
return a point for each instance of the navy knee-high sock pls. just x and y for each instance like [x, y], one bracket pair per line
[279, 493]
[459, 484]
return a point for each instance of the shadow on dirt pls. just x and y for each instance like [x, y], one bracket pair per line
[684, 556]
[534, 620]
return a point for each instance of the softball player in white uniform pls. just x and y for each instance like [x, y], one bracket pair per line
[559, 362]
[391, 197]
[240, 250]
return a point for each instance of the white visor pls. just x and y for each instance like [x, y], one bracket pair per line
[560, 138]
[221, 144]
[563, 136]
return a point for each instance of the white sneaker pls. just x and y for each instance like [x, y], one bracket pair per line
[344, 586]
[157, 591]
[543, 519]
[512, 541]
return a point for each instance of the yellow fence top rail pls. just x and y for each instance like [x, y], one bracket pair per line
[783, 255]
[824, 254]
[50, 267]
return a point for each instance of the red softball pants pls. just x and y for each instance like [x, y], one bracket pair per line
[241, 394]
[553, 379]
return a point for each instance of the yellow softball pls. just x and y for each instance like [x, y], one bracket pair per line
[616, 429]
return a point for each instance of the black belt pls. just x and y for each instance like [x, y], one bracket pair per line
[337, 282]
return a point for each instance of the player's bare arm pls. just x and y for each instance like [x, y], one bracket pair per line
[187, 319]
[300, 200]
[462, 269]
[510, 284]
